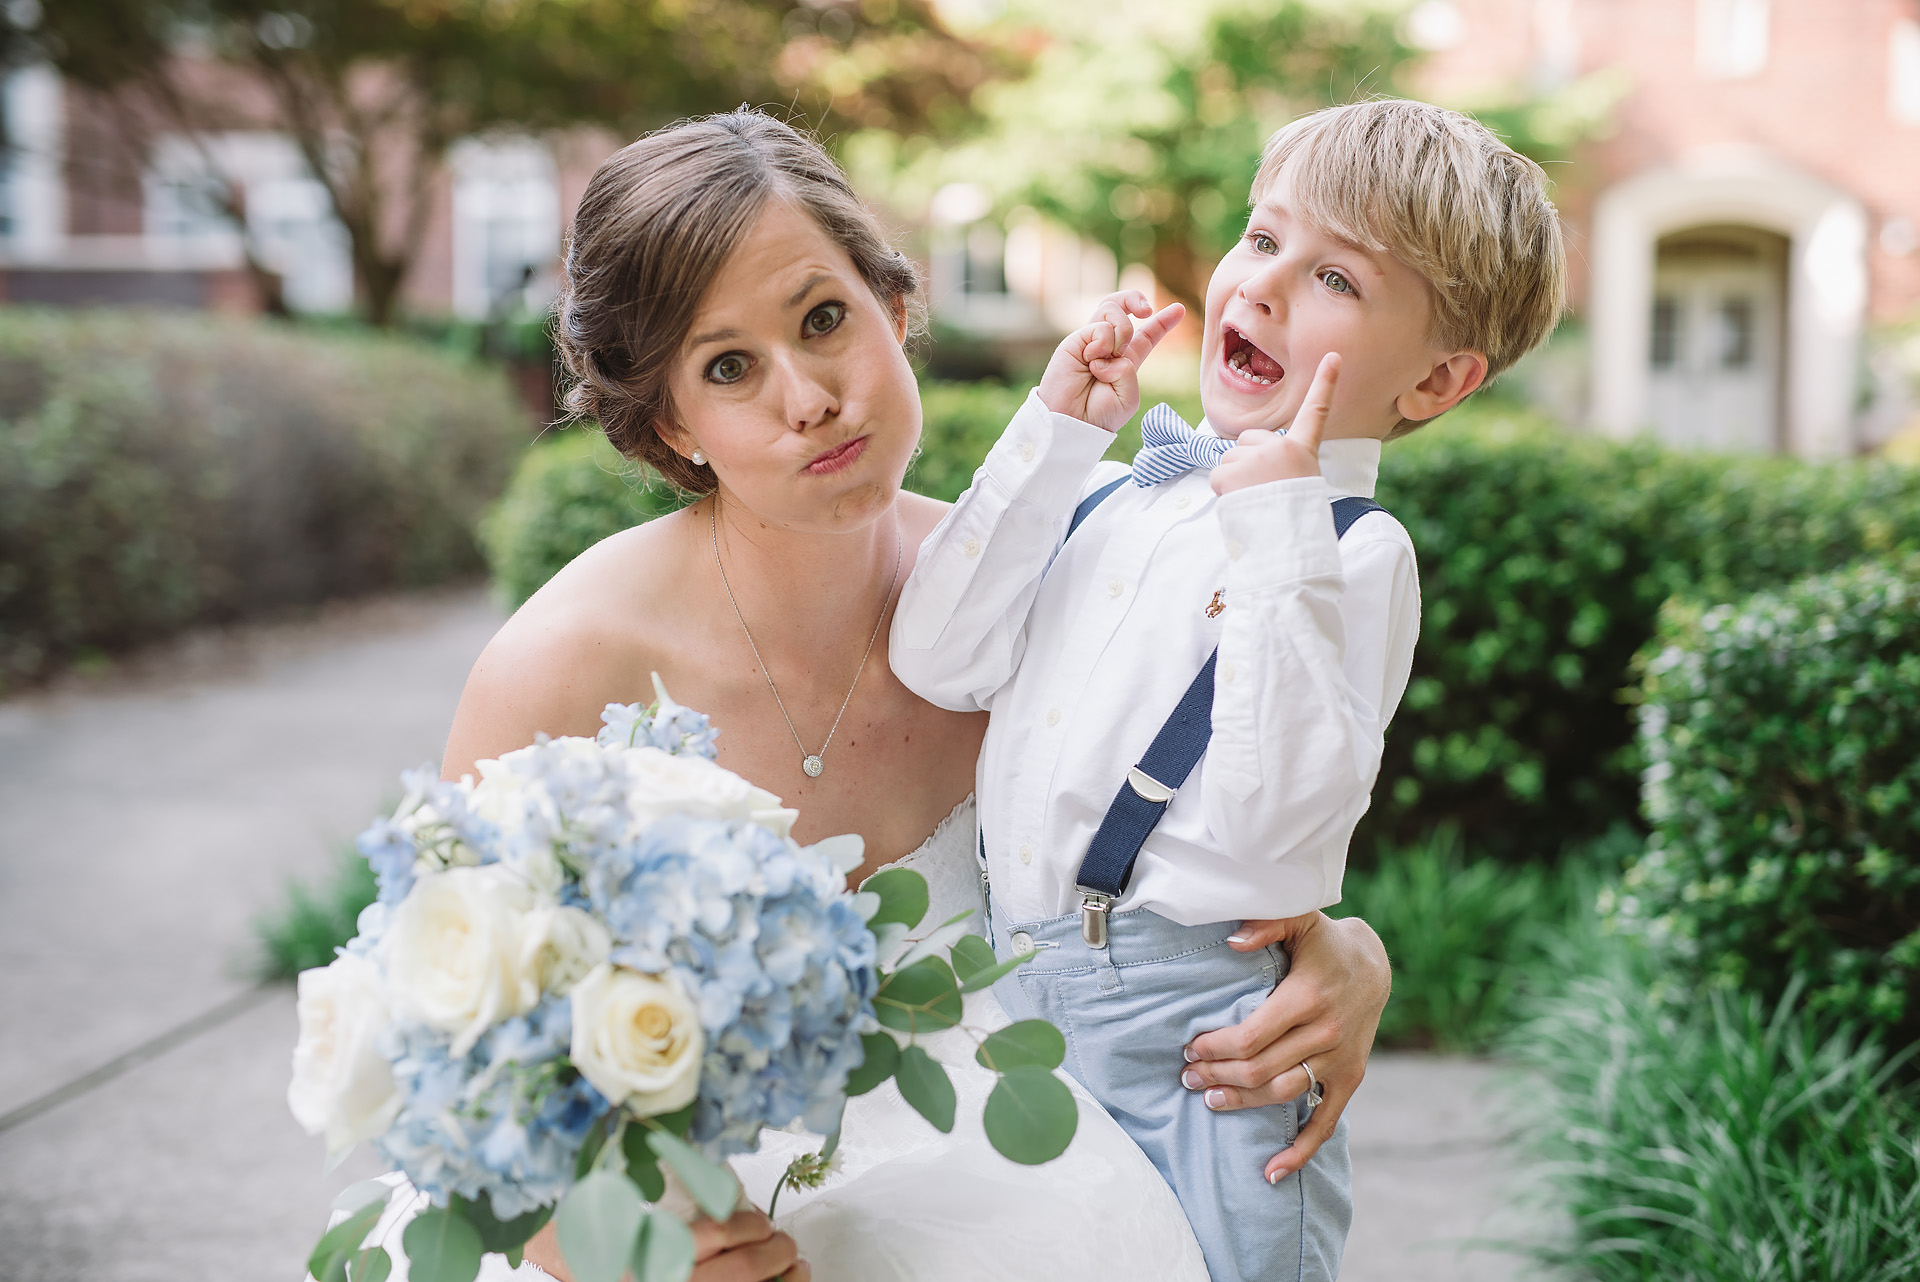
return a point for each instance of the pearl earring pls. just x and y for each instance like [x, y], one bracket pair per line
[697, 459]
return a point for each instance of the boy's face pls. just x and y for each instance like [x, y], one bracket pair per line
[1287, 295]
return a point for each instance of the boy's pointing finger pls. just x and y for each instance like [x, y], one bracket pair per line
[1310, 424]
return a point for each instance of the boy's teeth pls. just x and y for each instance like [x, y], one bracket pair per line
[1240, 360]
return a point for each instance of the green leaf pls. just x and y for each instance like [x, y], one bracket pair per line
[991, 976]
[971, 955]
[711, 1184]
[354, 1197]
[370, 1266]
[643, 1168]
[883, 1056]
[1029, 1043]
[595, 1141]
[442, 1247]
[1031, 1116]
[903, 897]
[923, 998]
[679, 1123]
[515, 1256]
[497, 1234]
[925, 1084]
[598, 1223]
[948, 932]
[328, 1263]
[664, 1250]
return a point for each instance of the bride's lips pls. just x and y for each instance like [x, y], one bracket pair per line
[1244, 366]
[839, 458]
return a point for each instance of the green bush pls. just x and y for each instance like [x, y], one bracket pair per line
[1544, 559]
[315, 920]
[569, 492]
[1782, 736]
[1730, 1140]
[159, 470]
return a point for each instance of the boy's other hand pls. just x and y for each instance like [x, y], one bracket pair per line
[1094, 375]
[1259, 456]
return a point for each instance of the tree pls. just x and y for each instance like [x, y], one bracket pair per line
[375, 92]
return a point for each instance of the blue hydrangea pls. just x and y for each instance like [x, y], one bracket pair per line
[667, 725]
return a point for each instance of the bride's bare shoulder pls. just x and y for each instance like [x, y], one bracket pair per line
[574, 646]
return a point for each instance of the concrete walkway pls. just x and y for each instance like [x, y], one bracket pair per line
[146, 821]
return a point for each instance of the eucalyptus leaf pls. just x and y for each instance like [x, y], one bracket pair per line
[711, 1184]
[922, 998]
[989, 977]
[971, 955]
[925, 1084]
[643, 1168]
[590, 1147]
[889, 941]
[903, 896]
[1031, 1116]
[679, 1122]
[664, 1250]
[865, 903]
[598, 1223]
[946, 933]
[845, 852]
[1029, 1043]
[443, 1247]
[328, 1263]
[370, 1266]
[355, 1196]
[496, 1234]
[883, 1056]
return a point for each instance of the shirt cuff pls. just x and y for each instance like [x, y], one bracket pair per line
[1043, 458]
[1279, 533]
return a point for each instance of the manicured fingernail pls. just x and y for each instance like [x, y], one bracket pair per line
[1238, 939]
[1216, 1098]
[1275, 1177]
[1191, 1080]
[1193, 1056]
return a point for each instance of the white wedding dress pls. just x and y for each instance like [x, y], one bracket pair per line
[904, 1203]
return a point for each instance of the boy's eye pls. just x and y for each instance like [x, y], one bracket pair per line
[824, 319]
[1263, 243]
[729, 367]
[1336, 282]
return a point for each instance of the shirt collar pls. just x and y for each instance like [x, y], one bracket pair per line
[1351, 464]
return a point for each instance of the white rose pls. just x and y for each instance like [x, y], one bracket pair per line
[662, 784]
[563, 944]
[342, 1087]
[637, 1038]
[456, 951]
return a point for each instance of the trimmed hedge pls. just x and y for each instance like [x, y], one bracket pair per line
[1782, 738]
[159, 470]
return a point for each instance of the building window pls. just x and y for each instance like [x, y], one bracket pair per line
[1903, 72]
[1735, 333]
[1730, 40]
[1666, 333]
[506, 227]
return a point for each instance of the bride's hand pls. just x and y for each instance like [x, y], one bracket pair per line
[744, 1249]
[1327, 1010]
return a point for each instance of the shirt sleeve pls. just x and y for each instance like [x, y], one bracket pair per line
[960, 629]
[1315, 651]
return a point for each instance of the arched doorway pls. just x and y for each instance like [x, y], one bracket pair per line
[1716, 354]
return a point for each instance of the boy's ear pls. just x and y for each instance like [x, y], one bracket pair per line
[1445, 386]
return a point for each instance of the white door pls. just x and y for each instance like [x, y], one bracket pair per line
[1714, 381]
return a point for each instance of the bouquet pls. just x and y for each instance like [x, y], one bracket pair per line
[607, 963]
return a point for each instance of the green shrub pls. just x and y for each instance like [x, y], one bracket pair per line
[315, 920]
[1782, 736]
[569, 492]
[159, 470]
[1544, 559]
[1730, 1140]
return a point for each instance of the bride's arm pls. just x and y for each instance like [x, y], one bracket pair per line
[1327, 1010]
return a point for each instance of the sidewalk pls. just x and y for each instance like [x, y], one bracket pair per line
[143, 826]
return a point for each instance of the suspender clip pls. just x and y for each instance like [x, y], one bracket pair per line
[1147, 788]
[1093, 917]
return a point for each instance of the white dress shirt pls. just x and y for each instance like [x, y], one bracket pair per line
[1081, 653]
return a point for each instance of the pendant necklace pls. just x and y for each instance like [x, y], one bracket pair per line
[809, 761]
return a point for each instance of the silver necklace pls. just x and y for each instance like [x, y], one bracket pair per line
[809, 761]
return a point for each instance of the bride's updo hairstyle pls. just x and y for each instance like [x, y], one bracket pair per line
[656, 224]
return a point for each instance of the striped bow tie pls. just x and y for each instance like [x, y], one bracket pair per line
[1170, 448]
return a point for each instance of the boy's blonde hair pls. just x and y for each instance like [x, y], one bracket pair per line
[1441, 193]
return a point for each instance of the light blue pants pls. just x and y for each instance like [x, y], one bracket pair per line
[1127, 1011]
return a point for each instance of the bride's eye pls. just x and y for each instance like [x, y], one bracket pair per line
[823, 319]
[729, 367]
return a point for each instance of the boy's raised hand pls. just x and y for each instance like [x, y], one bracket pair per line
[1259, 456]
[1094, 375]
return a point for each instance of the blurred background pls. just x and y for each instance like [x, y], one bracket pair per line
[279, 446]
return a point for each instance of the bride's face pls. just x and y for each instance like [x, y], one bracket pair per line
[793, 382]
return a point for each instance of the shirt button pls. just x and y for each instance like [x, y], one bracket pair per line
[1233, 549]
[1184, 502]
[1053, 716]
[1026, 854]
[1026, 453]
[972, 547]
[1226, 673]
[1020, 942]
[1115, 588]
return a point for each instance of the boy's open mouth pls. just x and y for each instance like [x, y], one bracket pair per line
[1243, 358]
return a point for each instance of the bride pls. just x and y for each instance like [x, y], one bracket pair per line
[733, 316]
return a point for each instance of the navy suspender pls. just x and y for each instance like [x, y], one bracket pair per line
[1171, 757]
[1091, 502]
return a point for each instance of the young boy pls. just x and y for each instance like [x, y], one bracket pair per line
[1396, 256]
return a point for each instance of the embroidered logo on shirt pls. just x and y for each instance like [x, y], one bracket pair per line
[1215, 606]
